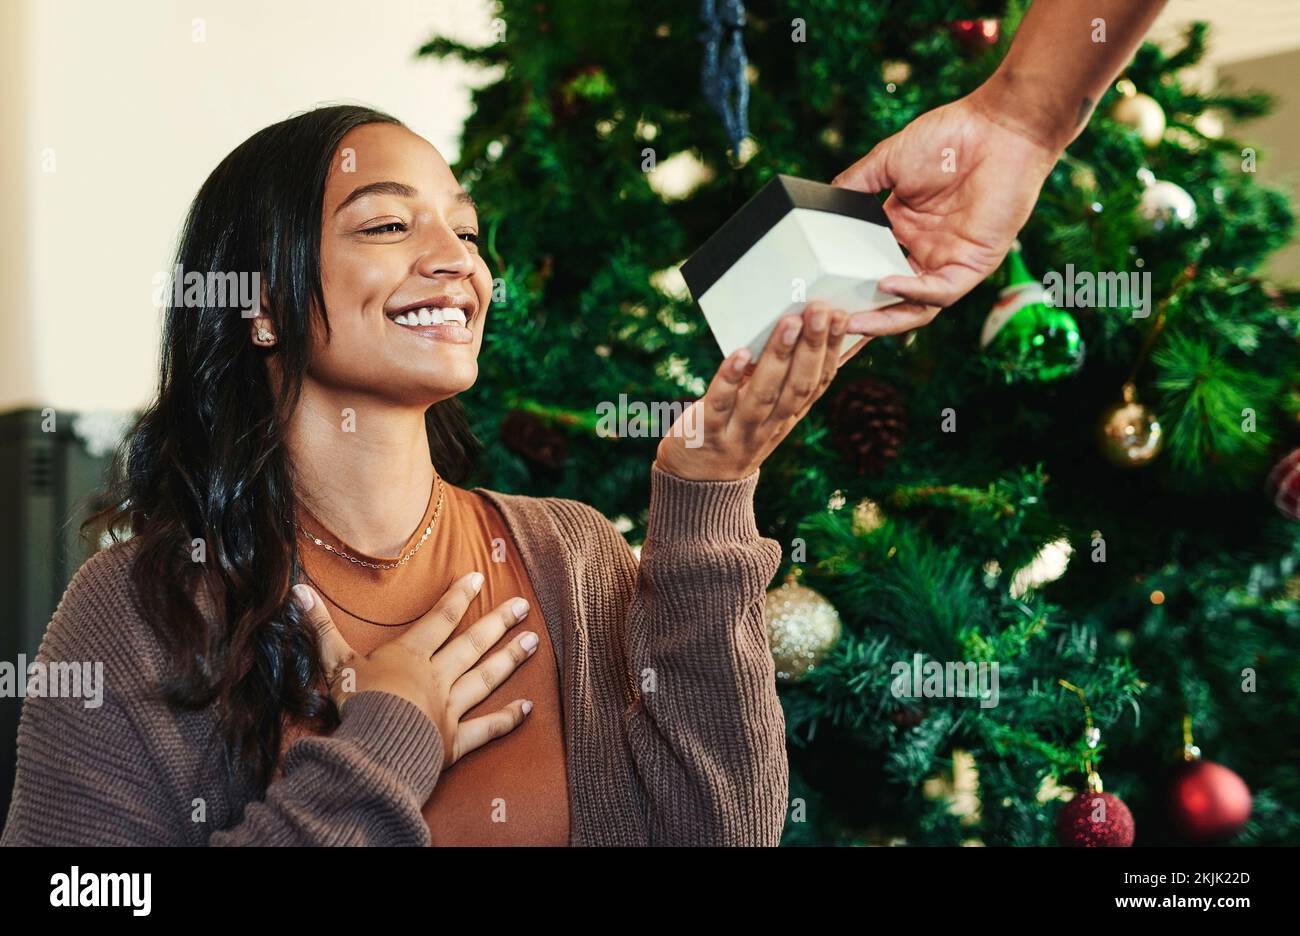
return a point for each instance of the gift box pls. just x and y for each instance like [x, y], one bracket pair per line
[793, 242]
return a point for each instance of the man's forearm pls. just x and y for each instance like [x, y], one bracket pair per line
[1056, 69]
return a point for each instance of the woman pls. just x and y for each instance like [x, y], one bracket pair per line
[311, 635]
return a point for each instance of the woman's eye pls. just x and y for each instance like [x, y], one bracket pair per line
[392, 227]
[471, 236]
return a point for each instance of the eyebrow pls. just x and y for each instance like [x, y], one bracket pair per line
[400, 189]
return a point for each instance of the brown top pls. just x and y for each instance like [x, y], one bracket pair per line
[513, 790]
[673, 729]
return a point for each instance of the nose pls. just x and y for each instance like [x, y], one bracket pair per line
[443, 253]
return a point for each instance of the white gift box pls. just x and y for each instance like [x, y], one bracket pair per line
[793, 242]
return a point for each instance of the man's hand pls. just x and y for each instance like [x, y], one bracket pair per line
[964, 177]
[962, 185]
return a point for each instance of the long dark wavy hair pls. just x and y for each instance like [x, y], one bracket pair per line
[207, 458]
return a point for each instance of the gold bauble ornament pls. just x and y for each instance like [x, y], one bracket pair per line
[748, 149]
[1185, 138]
[1140, 112]
[1129, 433]
[867, 517]
[1050, 790]
[895, 71]
[802, 627]
[1084, 178]
[960, 786]
[1209, 124]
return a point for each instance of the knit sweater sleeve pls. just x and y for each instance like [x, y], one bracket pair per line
[126, 769]
[362, 785]
[706, 728]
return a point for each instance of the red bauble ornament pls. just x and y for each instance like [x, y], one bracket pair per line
[976, 34]
[1283, 485]
[1208, 802]
[1095, 820]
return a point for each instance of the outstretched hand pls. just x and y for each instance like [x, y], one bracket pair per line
[962, 186]
[749, 409]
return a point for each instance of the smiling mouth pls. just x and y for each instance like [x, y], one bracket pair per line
[432, 315]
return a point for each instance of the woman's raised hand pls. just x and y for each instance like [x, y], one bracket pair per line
[747, 411]
[443, 681]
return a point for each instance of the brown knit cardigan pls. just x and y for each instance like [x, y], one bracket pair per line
[700, 760]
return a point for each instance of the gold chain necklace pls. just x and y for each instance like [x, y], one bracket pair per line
[316, 540]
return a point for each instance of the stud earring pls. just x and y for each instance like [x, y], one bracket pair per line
[265, 336]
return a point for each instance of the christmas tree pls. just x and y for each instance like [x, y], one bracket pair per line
[929, 503]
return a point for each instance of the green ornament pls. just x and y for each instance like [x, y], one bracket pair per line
[1028, 339]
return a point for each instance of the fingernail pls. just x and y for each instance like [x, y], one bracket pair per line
[519, 607]
[529, 642]
[528, 707]
[306, 600]
[819, 317]
[739, 360]
[476, 580]
[792, 333]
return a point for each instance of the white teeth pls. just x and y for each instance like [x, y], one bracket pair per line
[431, 315]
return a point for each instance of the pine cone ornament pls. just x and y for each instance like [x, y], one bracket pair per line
[528, 435]
[869, 422]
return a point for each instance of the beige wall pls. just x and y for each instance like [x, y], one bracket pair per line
[1255, 45]
[135, 114]
[17, 196]
[1276, 139]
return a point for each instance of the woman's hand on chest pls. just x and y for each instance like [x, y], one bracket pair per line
[444, 676]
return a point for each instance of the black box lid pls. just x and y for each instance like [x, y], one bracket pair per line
[781, 195]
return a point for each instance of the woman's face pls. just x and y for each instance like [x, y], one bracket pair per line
[398, 234]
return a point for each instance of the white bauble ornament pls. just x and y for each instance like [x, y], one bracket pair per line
[1164, 205]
